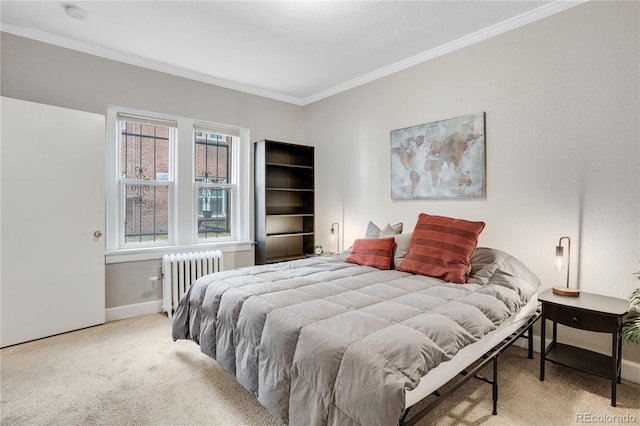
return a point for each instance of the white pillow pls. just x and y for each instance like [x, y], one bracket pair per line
[400, 249]
[373, 231]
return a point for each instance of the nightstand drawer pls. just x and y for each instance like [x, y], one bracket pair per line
[585, 320]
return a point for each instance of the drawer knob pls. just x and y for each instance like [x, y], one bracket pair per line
[576, 320]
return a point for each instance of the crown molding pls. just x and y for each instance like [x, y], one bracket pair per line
[151, 64]
[484, 34]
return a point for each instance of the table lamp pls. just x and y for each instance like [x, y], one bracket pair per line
[564, 291]
[335, 227]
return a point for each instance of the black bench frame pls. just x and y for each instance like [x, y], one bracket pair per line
[525, 331]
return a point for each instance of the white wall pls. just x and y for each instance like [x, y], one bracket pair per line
[52, 75]
[561, 98]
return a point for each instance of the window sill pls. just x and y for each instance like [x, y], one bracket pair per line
[156, 253]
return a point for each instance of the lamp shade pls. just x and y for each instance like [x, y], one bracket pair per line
[564, 291]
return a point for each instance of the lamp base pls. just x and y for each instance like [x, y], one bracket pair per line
[566, 291]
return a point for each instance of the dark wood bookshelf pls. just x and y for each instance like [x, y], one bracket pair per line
[284, 201]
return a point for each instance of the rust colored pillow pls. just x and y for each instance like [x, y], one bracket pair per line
[441, 247]
[374, 252]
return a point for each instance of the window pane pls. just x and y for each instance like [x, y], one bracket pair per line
[144, 151]
[146, 213]
[213, 165]
[213, 212]
[212, 160]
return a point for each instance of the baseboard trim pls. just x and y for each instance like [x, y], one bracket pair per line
[630, 369]
[135, 310]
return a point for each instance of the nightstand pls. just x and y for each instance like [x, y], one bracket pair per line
[590, 312]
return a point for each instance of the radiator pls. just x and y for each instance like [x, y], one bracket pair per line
[179, 271]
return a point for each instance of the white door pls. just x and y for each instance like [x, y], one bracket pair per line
[51, 203]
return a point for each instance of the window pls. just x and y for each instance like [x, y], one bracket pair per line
[212, 180]
[174, 183]
[146, 179]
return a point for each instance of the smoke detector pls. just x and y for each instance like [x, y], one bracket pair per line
[74, 12]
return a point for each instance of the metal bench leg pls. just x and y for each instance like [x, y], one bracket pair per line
[495, 385]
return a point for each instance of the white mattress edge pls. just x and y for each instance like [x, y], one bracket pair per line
[447, 370]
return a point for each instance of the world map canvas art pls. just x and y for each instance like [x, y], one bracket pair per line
[442, 159]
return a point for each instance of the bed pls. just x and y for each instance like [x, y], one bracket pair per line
[326, 340]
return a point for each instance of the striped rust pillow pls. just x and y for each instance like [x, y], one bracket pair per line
[441, 247]
[374, 252]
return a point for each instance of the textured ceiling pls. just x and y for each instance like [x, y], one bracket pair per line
[296, 51]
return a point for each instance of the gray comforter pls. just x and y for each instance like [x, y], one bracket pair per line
[321, 341]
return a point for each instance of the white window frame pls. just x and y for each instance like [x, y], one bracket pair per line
[122, 183]
[231, 186]
[183, 214]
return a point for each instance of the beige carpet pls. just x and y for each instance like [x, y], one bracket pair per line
[130, 372]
